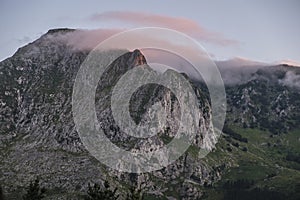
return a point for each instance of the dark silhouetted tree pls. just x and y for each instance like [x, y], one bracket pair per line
[96, 193]
[134, 194]
[34, 191]
[1, 193]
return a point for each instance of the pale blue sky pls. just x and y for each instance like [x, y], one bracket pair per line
[266, 30]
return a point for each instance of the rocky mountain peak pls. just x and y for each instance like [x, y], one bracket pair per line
[60, 30]
[138, 57]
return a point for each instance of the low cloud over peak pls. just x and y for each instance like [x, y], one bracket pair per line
[181, 24]
[237, 62]
[289, 62]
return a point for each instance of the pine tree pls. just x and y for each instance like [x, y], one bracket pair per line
[134, 194]
[1, 193]
[96, 193]
[34, 192]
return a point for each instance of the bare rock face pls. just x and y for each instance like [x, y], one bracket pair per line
[38, 135]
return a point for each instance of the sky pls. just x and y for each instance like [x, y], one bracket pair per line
[260, 30]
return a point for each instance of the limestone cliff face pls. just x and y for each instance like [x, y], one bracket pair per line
[38, 136]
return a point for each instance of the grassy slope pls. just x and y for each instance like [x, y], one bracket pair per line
[264, 162]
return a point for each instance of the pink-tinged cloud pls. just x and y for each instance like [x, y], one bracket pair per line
[88, 39]
[289, 62]
[181, 24]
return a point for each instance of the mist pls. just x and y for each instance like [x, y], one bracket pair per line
[291, 79]
[233, 72]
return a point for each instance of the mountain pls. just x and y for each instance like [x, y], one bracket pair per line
[39, 138]
[258, 154]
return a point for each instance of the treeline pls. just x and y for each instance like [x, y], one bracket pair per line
[238, 184]
[94, 192]
[256, 193]
[33, 192]
[234, 134]
[293, 157]
[241, 189]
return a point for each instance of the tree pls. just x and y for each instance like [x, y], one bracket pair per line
[1, 193]
[34, 191]
[96, 193]
[134, 194]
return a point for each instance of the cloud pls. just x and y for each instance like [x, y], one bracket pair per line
[155, 48]
[181, 24]
[145, 41]
[289, 62]
[238, 70]
[88, 39]
[291, 79]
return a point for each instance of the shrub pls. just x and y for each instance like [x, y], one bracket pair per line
[96, 193]
[34, 191]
